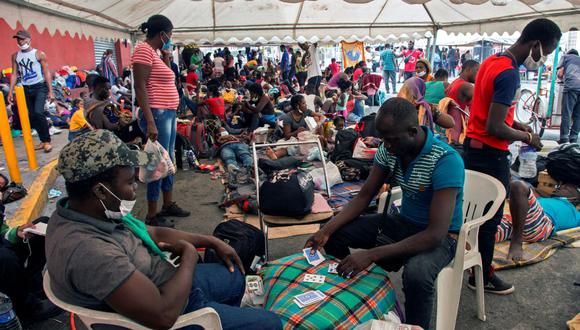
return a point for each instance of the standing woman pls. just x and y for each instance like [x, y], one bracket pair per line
[109, 67]
[158, 98]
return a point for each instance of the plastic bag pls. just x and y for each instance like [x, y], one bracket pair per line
[361, 151]
[334, 177]
[307, 136]
[160, 165]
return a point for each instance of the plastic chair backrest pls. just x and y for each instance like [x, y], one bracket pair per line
[480, 193]
[207, 317]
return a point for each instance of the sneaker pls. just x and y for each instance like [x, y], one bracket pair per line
[53, 130]
[16, 133]
[243, 176]
[233, 168]
[495, 285]
[159, 221]
[34, 133]
[173, 211]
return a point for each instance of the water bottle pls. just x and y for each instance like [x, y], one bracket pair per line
[8, 319]
[528, 158]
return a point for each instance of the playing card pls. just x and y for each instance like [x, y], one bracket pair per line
[254, 285]
[313, 278]
[314, 259]
[332, 268]
[309, 298]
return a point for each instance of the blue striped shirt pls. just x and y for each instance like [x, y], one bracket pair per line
[438, 166]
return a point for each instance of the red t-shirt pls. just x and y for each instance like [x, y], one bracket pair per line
[451, 91]
[334, 68]
[414, 56]
[191, 79]
[216, 106]
[161, 88]
[497, 81]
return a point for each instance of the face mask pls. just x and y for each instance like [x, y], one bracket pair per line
[422, 73]
[530, 64]
[124, 209]
[167, 45]
[24, 47]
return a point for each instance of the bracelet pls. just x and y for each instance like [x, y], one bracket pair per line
[529, 137]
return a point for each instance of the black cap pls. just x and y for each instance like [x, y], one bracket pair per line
[22, 34]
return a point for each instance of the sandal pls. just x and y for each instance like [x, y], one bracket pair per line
[47, 147]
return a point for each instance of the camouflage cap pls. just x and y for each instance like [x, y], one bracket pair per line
[95, 152]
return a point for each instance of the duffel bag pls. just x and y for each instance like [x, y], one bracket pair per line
[287, 192]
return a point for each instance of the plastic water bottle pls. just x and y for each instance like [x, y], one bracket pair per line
[528, 158]
[8, 319]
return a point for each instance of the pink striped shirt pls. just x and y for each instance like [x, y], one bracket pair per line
[161, 88]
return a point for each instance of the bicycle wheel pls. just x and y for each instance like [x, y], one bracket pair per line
[538, 125]
[525, 107]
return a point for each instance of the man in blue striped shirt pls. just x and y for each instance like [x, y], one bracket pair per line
[423, 237]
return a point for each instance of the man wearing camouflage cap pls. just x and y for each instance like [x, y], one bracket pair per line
[100, 256]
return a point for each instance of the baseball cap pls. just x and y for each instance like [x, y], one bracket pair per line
[22, 34]
[95, 152]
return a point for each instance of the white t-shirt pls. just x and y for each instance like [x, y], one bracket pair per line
[219, 63]
[117, 91]
[314, 68]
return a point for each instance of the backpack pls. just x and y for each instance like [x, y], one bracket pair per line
[345, 140]
[200, 140]
[287, 192]
[354, 169]
[247, 240]
[564, 163]
[366, 126]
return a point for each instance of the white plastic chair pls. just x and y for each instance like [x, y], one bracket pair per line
[207, 317]
[483, 195]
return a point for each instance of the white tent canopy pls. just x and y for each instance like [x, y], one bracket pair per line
[276, 21]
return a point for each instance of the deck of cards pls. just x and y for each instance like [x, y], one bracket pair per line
[313, 259]
[309, 298]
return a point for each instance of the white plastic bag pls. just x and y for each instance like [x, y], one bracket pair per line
[307, 136]
[334, 177]
[160, 165]
[361, 151]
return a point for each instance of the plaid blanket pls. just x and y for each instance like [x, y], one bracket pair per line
[349, 303]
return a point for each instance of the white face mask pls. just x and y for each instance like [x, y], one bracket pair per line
[531, 64]
[421, 73]
[124, 209]
[25, 46]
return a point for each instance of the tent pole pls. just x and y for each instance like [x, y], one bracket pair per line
[133, 42]
[553, 82]
[432, 53]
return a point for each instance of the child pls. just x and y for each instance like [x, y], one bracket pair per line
[329, 105]
[78, 124]
[345, 91]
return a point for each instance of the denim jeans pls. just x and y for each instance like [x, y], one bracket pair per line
[495, 163]
[214, 286]
[35, 98]
[570, 125]
[232, 152]
[390, 76]
[73, 134]
[165, 121]
[409, 74]
[419, 272]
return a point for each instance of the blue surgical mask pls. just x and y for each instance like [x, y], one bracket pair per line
[167, 45]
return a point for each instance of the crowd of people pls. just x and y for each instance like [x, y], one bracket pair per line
[100, 256]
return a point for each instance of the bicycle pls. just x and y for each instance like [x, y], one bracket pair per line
[531, 110]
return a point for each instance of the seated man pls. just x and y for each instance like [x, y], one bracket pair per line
[423, 237]
[100, 257]
[21, 267]
[536, 219]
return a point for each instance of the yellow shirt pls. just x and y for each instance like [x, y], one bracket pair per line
[78, 121]
[229, 97]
